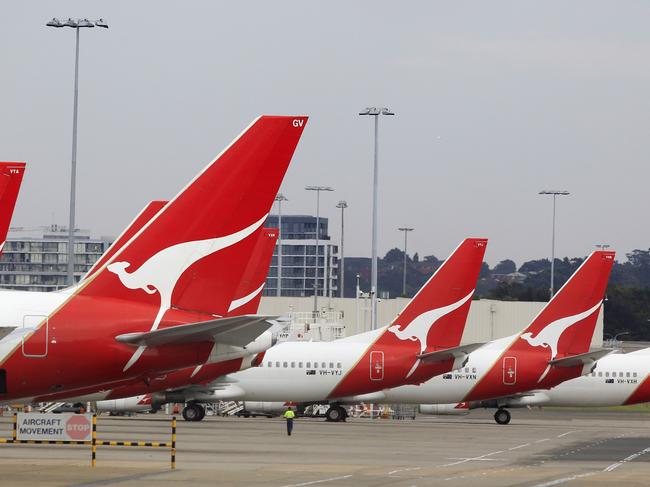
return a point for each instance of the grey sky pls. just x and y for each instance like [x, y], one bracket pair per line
[494, 100]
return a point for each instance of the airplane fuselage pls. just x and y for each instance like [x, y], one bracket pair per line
[41, 355]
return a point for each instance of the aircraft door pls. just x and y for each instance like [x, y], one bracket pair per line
[509, 370]
[35, 336]
[376, 366]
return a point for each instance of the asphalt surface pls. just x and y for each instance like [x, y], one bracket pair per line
[539, 448]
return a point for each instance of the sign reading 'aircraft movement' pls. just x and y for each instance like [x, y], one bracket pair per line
[64, 426]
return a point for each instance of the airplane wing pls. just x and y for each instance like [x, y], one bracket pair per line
[449, 353]
[582, 359]
[236, 330]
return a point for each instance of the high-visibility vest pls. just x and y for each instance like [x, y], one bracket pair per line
[289, 414]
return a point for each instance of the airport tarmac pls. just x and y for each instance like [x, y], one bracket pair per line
[539, 448]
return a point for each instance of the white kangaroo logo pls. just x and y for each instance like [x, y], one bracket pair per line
[418, 328]
[238, 303]
[162, 270]
[550, 335]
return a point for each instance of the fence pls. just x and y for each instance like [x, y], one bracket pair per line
[94, 442]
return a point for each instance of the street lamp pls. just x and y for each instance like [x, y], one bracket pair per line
[555, 194]
[374, 112]
[343, 205]
[406, 232]
[76, 24]
[280, 198]
[318, 189]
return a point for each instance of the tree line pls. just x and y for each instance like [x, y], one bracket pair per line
[627, 302]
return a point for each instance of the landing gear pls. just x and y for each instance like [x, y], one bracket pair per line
[336, 413]
[502, 416]
[193, 412]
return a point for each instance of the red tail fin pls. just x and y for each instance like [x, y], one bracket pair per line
[193, 252]
[566, 324]
[11, 177]
[147, 213]
[249, 293]
[444, 300]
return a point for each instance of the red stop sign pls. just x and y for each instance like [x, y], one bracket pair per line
[78, 427]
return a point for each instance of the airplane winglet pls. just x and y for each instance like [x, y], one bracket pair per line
[236, 330]
[449, 353]
[588, 358]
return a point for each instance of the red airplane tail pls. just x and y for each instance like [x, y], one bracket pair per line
[11, 177]
[438, 312]
[566, 324]
[191, 254]
[249, 292]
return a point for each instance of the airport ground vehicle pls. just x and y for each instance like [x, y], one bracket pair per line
[553, 349]
[253, 409]
[158, 304]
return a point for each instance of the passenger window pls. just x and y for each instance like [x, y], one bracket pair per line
[270, 364]
[473, 370]
[323, 365]
[600, 374]
[606, 374]
[338, 365]
[293, 365]
[315, 365]
[309, 365]
[633, 374]
[284, 364]
[331, 365]
[627, 374]
[300, 365]
[277, 364]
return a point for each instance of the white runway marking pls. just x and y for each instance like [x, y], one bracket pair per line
[567, 433]
[519, 446]
[565, 479]
[542, 440]
[313, 482]
[614, 466]
[404, 470]
[471, 459]
[609, 468]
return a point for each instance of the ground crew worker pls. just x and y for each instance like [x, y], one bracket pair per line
[289, 415]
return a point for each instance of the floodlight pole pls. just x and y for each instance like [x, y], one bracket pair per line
[343, 205]
[76, 24]
[318, 189]
[73, 169]
[406, 231]
[554, 193]
[375, 112]
[280, 198]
